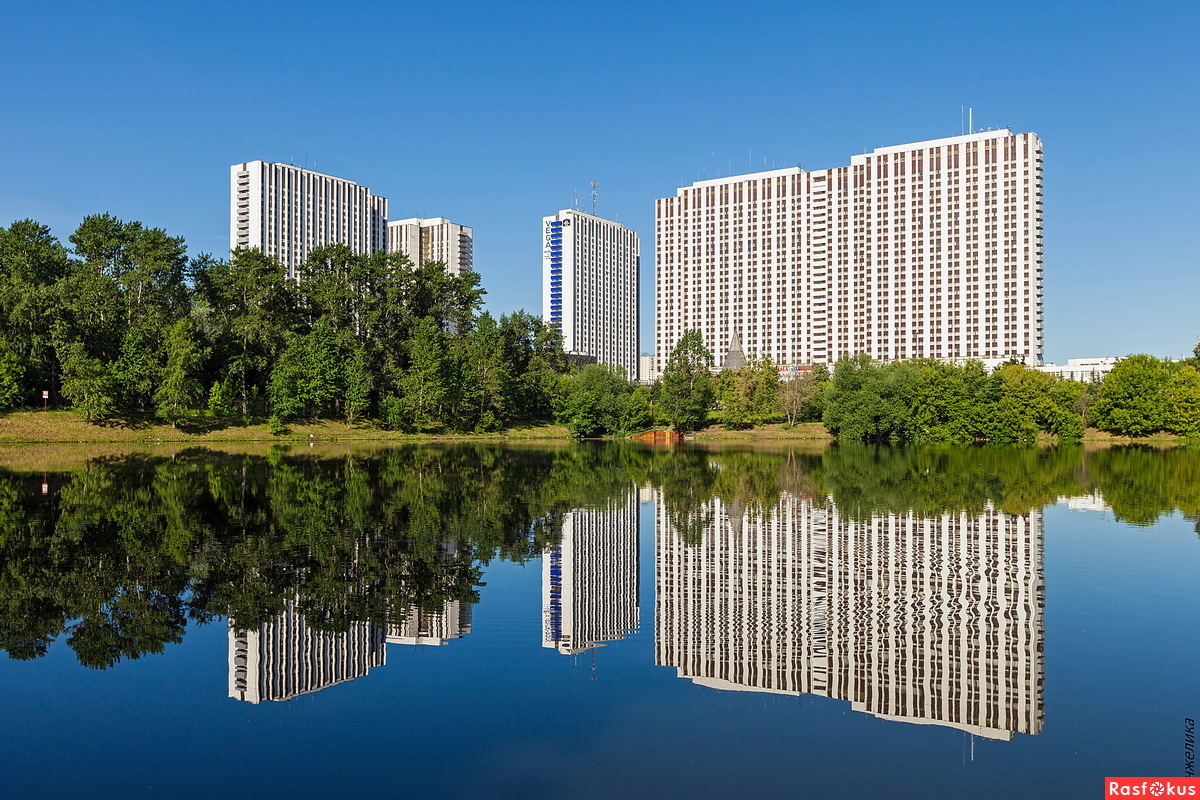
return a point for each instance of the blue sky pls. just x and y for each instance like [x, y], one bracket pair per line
[494, 114]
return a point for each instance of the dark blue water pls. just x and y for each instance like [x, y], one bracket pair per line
[753, 641]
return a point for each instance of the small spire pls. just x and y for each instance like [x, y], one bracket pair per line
[734, 358]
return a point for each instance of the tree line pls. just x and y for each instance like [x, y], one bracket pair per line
[125, 322]
[923, 400]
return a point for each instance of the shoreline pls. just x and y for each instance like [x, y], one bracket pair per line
[55, 428]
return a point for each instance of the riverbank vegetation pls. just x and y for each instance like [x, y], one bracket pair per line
[127, 330]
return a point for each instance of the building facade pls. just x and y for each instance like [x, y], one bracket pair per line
[928, 620]
[590, 287]
[436, 239]
[923, 250]
[590, 578]
[286, 212]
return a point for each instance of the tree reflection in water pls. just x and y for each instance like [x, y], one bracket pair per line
[122, 552]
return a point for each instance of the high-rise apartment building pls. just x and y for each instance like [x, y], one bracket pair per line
[590, 287]
[286, 212]
[928, 620]
[923, 250]
[590, 578]
[436, 239]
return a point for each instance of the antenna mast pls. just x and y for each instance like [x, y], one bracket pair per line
[594, 185]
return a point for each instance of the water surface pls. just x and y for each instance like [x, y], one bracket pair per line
[598, 621]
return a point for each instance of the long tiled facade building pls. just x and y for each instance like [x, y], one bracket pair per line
[935, 620]
[923, 250]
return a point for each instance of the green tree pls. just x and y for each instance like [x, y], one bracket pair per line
[868, 401]
[1132, 399]
[179, 388]
[32, 263]
[10, 377]
[1183, 401]
[254, 307]
[486, 380]
[425, 386]
[88, 383]
[595, 399]
[800, 397]
[638, 414]
[685, 391]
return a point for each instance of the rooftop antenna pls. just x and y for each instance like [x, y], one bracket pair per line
[594, 185]
[970, 120]
[576, 206]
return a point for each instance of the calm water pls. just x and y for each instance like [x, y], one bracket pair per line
[598, 621]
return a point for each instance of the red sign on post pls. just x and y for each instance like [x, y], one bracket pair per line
[45, 398]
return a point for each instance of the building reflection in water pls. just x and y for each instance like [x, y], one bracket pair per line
[284, 657]
[932, 620]
[590, 578]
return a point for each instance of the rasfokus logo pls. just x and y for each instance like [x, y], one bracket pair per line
[1152, 787]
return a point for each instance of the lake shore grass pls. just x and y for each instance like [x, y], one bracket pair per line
[45, 428]
[67, 427]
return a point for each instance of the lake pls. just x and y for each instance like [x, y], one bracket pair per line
[597, 620]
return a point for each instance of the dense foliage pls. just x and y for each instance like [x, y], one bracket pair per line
[125, 322]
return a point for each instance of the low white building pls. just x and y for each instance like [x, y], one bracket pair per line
[1085, 370]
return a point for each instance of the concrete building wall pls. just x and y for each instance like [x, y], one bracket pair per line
[923, 250]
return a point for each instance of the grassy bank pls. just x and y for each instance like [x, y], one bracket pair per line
[67, 427]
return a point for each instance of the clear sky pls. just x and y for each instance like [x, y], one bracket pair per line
[494, 114]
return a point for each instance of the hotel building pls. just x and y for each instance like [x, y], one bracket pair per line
[590, 578]
[437, 239]
[923, 250]
[928, 620]
[590, 287]
[286, 212]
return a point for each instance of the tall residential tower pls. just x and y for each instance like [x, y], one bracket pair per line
[590, 287]
[923, 250]
[286, 212]
[436, 239]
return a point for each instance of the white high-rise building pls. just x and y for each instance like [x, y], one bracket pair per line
[590, 287]
[923, 250]
[929, 620]
[590, 578]
[286, 212]
[436, 239]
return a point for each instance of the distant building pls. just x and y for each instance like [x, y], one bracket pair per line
[436, 239]
[1086, 370]
[286, 212]
[924, 250]
[590, 287]
[590, 578]
[646, 369]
